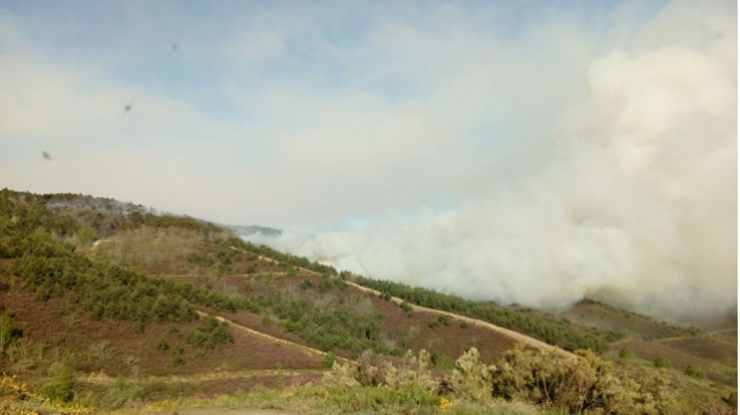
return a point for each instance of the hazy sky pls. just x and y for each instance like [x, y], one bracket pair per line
[522, 151]
[295, 113]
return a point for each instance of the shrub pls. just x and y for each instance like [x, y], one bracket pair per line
[372, 370]
[471, 378]
[251, 270]
[163, 346]
[579, 384]
[306, 284]
[662, 362]
[8, 333]
[210, 333]
[59, 388]
[445, 319]
[329, 360]
[443, 362]
[86, 236]
[625, 353]
[694, 372]
[177, 359]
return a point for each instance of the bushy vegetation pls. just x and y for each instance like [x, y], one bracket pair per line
[48, 267]
[694, 372]
[329, 321]
[582, 384]
[17, 399]
[285, 260]
[210, 333]
[662, 362]
[59, 388]
[553, 330]
[572, 385]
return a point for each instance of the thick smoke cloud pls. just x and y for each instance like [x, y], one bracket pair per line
[639, 209]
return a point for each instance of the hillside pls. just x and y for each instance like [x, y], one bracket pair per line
[174, 306]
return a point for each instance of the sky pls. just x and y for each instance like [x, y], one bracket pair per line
[477, 147]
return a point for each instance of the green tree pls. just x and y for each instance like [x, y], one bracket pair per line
[86, 235]
[329, 360]
[625, 353]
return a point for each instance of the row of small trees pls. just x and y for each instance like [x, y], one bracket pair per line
[553, 330]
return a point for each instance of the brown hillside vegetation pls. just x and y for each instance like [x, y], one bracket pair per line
[94, 346]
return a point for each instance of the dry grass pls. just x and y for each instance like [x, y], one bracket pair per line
[146, 246]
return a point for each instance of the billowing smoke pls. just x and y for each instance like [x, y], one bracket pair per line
[640, 209]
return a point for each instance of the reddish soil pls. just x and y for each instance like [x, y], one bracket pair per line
[402, 329]
[650, 350]
[41, 323]
[706, 348]
[599, 316]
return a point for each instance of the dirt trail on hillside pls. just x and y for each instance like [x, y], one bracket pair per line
[103, 379]
[530, 341]
[305, 349]
[710, 334]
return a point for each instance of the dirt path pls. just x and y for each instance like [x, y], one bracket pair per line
[103, 379]
[305, 349]
[530, 341]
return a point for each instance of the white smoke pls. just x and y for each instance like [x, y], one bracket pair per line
[640, 210]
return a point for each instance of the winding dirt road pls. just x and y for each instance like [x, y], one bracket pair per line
[519, 337]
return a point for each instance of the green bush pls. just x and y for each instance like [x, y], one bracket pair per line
[445, 319]
[210, 333]
[59, 388]
[329, 360]
[625, 353]
[443, 362]
[163, 346]
[8, 333]
[662, 362]
[86, 236]
[694, 372]
[177, 359]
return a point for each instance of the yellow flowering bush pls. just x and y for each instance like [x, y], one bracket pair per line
[17, 399]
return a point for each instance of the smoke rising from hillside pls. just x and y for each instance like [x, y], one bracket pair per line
[640, 209]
